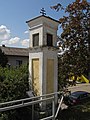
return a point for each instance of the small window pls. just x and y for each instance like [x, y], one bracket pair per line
[18, 63]
[49, 40]
[36, 40]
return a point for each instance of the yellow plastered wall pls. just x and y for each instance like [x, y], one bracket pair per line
[50, 76]
[35, 76]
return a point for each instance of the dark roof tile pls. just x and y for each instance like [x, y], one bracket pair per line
[15, 51]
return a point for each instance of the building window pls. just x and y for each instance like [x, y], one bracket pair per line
[18, 63]
[49, 40]
[36, 40]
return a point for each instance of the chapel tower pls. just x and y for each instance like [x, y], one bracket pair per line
[43, 63]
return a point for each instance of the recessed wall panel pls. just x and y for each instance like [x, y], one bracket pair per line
[35, 76]
[50, 76]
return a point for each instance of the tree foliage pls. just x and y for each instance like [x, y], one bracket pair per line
[13, 86]
[3, 59]
[13, 83]
[76, 37]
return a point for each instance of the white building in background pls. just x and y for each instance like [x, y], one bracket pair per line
[15, 56]
[43, 63]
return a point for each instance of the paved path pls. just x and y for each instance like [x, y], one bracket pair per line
[80, 87]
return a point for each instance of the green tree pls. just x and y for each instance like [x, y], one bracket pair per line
[76, 37]
[3, 59]
[13, 86]
[13, 83]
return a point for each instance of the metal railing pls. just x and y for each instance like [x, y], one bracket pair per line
[31, 101]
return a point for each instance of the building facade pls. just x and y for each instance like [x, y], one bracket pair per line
[16, 56]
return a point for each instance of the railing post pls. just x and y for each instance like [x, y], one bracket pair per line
[33, 112]
[53, 107]
[59, 106]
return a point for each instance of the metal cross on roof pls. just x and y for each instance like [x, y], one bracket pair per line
[43, 12]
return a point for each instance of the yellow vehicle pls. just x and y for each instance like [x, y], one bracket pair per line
[81, 78]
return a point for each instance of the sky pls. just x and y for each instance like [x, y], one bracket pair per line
[15, 13]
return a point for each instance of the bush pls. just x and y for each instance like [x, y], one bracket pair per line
[13, 86]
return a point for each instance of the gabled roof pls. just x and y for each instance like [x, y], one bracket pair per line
[11, 51]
